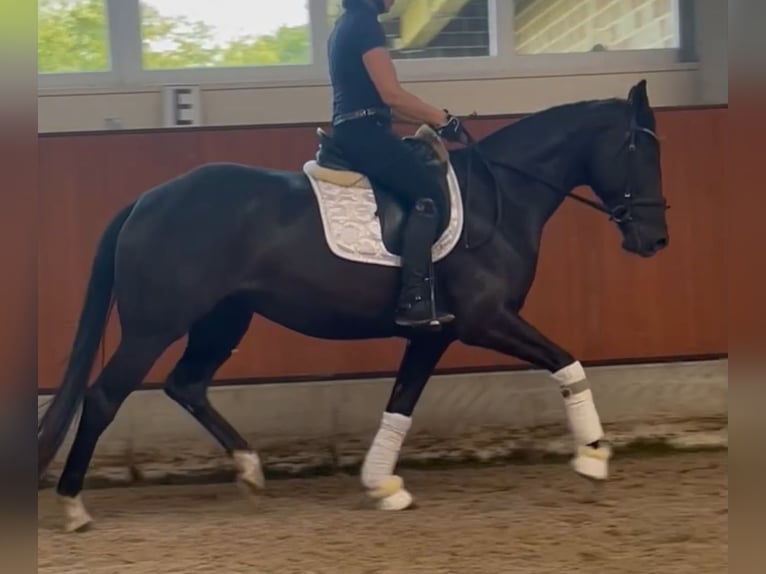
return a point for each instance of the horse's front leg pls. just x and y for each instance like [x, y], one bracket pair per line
[420, 359]
[506, 332]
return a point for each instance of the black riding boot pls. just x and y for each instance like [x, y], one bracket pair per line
[417, 303]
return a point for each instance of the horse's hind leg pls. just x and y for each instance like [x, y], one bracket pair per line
[508, 333]
[211, 342]
[123, 373]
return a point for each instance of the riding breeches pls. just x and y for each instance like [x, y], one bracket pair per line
[373, 148]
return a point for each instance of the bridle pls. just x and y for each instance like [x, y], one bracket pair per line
[619, 213]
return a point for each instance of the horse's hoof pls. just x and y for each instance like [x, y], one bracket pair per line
[77, 517]
[391, 495]
[79, 529]
[251, 487]
[592, 463]
[249, 490]
[401, 500]
[250, 478]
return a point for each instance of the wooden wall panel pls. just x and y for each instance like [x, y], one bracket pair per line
[593, 298]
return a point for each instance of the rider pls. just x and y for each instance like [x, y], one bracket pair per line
[366, 93]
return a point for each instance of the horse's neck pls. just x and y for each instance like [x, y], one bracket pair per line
[555, 146]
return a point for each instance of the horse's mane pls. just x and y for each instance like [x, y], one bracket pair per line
[531, 127]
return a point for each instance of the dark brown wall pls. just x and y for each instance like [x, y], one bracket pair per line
[594, 299]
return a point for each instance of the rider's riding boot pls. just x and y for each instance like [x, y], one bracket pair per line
[417, 302]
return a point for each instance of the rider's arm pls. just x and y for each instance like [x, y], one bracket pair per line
[383, 74]
[404, 118]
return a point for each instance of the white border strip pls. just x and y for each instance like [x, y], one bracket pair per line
[307, 425]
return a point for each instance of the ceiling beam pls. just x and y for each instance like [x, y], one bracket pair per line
[420, 21]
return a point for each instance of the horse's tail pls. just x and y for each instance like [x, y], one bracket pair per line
[54, 424]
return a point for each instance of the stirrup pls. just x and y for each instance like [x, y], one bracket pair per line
[433, 319]
[433, 324]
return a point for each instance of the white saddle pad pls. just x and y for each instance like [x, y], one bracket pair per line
[352, 229]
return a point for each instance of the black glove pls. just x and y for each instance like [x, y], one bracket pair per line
[453, 130]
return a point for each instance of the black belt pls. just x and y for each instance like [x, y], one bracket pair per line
[363, 113]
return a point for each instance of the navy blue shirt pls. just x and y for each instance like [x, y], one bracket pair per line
[356, 32]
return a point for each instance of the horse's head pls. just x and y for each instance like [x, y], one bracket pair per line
[625, 173]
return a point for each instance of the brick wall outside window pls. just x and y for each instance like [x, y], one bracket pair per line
[562, 26]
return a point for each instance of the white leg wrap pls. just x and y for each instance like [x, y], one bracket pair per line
[377, 470]
[76, 516]
[381, 459]
[578, 400]
[249, 467]
[574, 373]
[584, 423]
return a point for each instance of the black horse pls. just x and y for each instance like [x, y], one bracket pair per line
[200, 254]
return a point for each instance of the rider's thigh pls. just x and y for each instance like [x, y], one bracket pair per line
[378, 152]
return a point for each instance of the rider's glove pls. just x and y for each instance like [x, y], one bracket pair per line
[452, 130]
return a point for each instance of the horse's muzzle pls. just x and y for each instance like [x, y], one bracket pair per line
[645, 247]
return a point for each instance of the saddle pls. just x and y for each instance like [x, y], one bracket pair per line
[332, 167]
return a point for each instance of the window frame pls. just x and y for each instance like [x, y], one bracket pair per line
[101, 79]
[127, 73]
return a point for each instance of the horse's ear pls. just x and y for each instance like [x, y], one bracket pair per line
[638, 96]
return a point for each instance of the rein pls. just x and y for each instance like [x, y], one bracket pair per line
[619, 213]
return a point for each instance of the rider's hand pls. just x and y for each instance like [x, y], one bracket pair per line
[452, 130]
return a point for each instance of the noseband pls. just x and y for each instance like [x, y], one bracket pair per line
[620, 213]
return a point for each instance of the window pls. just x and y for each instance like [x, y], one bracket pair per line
[142, 43]
[569, 26]
[421, 29]
[72, 36]
[179, 34]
